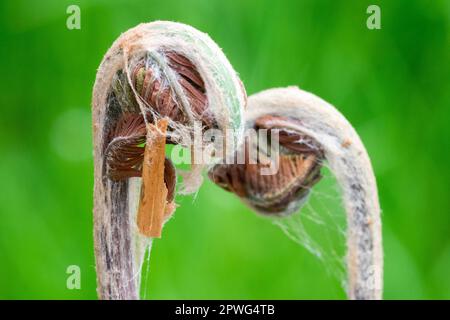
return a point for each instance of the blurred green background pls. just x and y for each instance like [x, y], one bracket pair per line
[392, 84]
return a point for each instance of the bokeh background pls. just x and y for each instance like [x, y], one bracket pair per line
[392, 84]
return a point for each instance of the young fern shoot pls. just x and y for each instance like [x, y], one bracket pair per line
[155, 82]
[311, 131]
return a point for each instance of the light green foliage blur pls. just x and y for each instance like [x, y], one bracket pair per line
[392, 84]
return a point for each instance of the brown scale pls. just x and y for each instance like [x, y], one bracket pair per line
[124, 153]
[299, 169]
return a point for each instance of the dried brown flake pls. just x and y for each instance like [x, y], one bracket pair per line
[154, 192]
